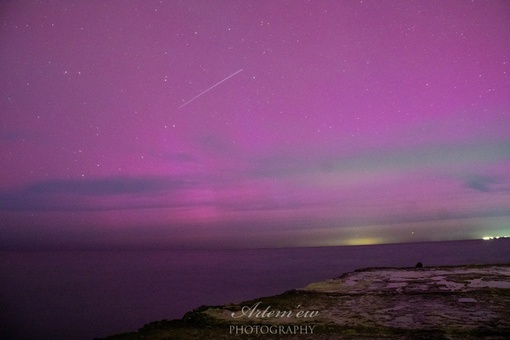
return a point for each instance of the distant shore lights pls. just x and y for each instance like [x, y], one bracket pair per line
[487, 238]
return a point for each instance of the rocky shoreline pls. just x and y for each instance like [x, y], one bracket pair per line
[454, 302]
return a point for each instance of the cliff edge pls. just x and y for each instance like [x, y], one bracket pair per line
[467, 302]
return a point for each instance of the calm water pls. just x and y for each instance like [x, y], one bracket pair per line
[82, 295]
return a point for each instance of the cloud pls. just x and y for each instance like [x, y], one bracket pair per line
[428, 157]
[179, 157]
[218, 145]
[9, 136]
[481, 183]
[17, 135]
[92, 194]
[108, 186]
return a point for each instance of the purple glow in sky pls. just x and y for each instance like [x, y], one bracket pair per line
[130, 124]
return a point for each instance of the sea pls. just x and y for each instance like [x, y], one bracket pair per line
[91, 294]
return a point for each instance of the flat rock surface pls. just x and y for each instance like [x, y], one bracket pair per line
[461, 302]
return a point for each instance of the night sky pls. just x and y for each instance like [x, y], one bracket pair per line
[212, 124]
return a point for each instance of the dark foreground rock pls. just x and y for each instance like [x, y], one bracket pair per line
[462, 302]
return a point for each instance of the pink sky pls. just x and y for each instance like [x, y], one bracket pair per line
[351, 122]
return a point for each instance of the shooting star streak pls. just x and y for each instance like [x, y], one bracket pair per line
[201, 93]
